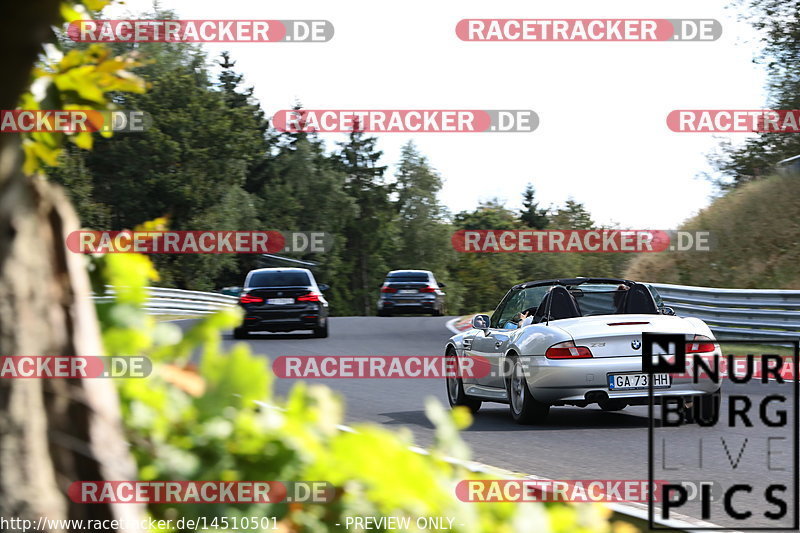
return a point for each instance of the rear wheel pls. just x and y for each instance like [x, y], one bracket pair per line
[524, 408]
[382, 313]
[704, 408]
[240, 333]
[321, 332]
[613, 405]
[455, 386]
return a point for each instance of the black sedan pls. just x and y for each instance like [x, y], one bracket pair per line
[411, 291]
[282, 299]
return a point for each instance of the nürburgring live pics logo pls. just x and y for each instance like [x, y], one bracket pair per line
[747, 444]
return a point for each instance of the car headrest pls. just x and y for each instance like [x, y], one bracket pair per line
[639, 300]
[561, 305]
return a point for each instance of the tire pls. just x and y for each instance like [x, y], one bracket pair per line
[613, 406]
[321, 333]
[239, 333]
[524, 408]
[383, 313]
[455, 390]
[704, 409]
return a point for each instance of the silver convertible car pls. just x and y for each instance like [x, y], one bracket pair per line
[575, 342]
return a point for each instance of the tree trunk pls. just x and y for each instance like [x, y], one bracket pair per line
[366, 293]
[52, 432]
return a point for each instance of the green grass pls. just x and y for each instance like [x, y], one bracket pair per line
[739, 349]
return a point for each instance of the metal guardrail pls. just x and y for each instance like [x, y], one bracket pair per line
[738, 313]
[161, 301]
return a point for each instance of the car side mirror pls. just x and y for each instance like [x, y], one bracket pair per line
[442, 285]
[667, 311]
[323, 287]
[480, 322]
[232, 291]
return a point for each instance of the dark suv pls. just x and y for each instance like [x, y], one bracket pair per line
[411, 291]
[282, 299]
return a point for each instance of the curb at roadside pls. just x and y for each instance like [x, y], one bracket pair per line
[460, 324]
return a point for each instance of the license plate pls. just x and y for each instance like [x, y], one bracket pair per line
[638, 381]
[280, 301]
[407, 291]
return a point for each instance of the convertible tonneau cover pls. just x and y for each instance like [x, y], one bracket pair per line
[573, 281]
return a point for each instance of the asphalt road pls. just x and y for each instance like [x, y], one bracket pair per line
[575, 443]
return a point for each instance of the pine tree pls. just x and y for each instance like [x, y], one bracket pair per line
[422, 236]
[778, 22]
[369, 234]
[572, 216]
[531, 215]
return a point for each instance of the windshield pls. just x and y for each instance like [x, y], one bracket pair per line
[407, 276]
[591, 298]
[656, 295]
[277, 278]
[507, 313]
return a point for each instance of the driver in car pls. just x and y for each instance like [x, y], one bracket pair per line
[521, 319]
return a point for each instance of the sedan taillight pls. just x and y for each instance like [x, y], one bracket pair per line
[310, 297]
[567, 350]
[388, 289]
[700, 344]
[248, 299]
[428, 289]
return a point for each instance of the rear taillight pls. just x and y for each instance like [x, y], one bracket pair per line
[567, 350]
[428, 289]
[247, 299]
[388, 289]
[310, 297]
[700, 344]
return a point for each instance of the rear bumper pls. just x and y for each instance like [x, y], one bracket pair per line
[289, 320]
[586, 380]
[407, 305]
